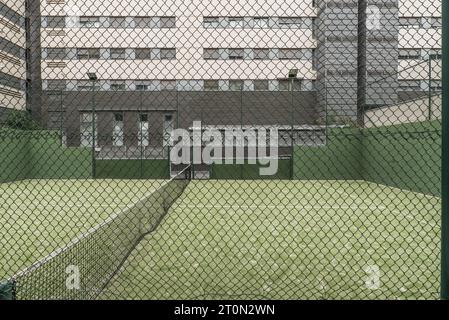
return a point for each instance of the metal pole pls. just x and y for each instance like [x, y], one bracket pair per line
[445, 160]
[93, 130]
[430, 87]
[292, 131]
[61, 127]
[141, 135]
[361, 62]
[241, 127]
[325, 108]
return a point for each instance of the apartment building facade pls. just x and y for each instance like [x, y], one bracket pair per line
[419, 47]
[165, 64]
[13, 71]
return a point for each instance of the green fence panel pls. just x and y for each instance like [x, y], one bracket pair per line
[133, 169]
[399, 156]
[51, 160]
[250, 171]
[338, 158]
[14, 155]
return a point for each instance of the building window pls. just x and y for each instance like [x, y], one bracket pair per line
[436, 85]
[118, 86]
[168, 22]
[284, 85]
[211, 22]
[290, 84]
[90, 22]
[168, 54]
[409, 54]
[55, 22]
[410, 22]
[436, 22]
[297, 83]
[235, 85]
[211, 54]
[143, 54]
[168, 85]
[57, 85]
[236, 22]
[143, 137]
[236, 54]
[86, 85]
[86, 54]
[261, 22]
[211, 85]
[410, 85]
[142, 85]
[289, 22]
[118, 54]
[86, 129]
[145, 22]
[290, 54]
[433, 53]
[261, 54]
[261, 85]
[169, 126]
[118, 22]
[56, 53]
[118, 133]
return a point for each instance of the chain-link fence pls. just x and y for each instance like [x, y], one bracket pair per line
[220, 149]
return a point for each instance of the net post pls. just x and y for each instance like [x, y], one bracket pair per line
[7, 290]
[444, 284]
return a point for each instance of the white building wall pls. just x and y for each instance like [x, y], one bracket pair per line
[424, 37]
[189, 38]
[12, 55]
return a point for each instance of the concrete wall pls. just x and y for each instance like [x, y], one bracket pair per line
[212, 108]
[421, 109]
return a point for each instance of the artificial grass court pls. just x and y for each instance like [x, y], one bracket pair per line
[39, 216]
[288, 240]
[227, 239]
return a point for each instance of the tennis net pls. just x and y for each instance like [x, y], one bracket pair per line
[83, 268]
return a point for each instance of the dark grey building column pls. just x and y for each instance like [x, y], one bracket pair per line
[356, 62]
[382, 54]
[33, 60]
[361, 61]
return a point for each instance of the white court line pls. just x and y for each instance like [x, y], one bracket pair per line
[52, 206]
[306, 207]
[407, 191]
[348, 194]
[299, 206]
[411, 217]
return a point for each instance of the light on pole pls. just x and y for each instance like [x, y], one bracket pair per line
[292, 75]
[93, 78]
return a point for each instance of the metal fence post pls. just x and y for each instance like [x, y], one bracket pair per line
[94, 169]
[61, 114]
[430, 87]
[141, 136]
[292, 128]
[361, 61]
[445, 159]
